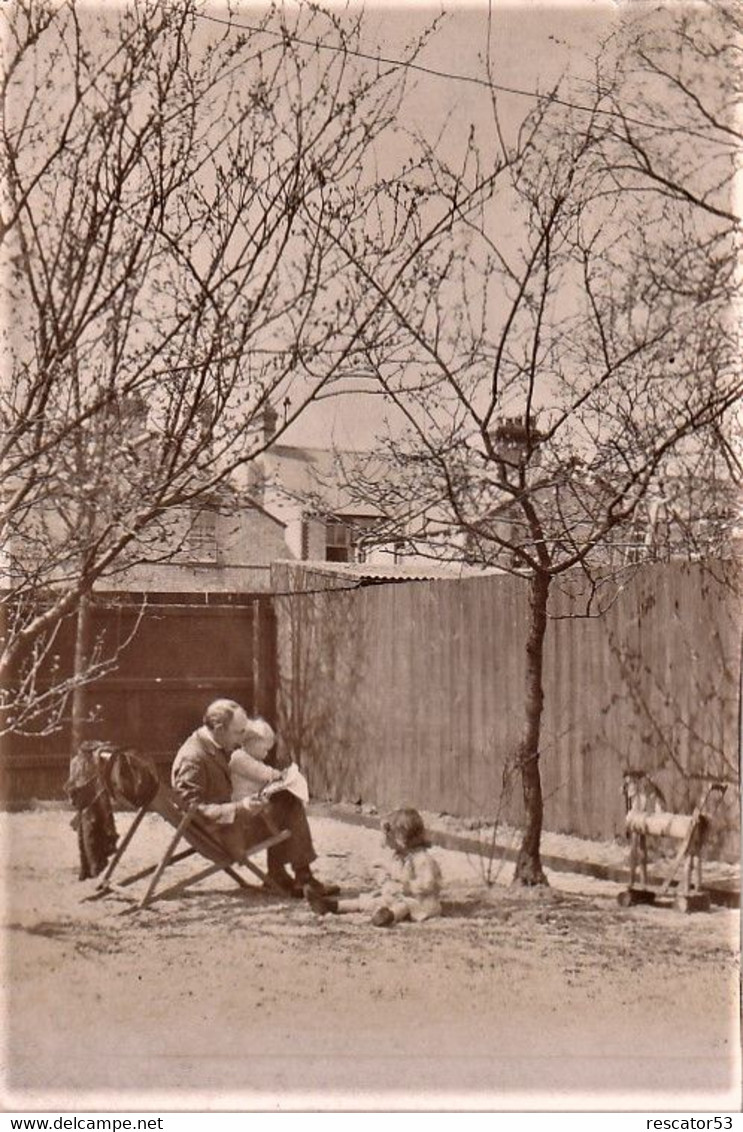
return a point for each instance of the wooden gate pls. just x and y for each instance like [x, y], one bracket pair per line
[187, 650]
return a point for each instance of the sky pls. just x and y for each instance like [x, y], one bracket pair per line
[533, 45]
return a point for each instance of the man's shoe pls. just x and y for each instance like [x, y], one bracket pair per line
[319, 903]
[320, 888]
[278, 880]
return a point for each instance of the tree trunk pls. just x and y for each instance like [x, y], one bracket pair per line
[80, 690]
[528, 864]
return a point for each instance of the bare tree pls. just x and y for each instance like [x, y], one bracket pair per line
[674, 138]
[168, 176]
[543, 374]
[674, 130]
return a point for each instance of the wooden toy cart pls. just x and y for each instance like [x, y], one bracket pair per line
[690, 830]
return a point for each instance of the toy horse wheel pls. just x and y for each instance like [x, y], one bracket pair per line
[696, 902]
[631, 896]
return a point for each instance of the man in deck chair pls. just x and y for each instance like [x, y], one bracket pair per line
[201, 775]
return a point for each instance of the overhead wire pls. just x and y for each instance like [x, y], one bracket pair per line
[391, 61]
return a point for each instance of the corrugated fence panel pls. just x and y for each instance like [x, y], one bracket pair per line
[415, 710]
[466, 745]
[386, 728]
[427, 682]
[443, 781]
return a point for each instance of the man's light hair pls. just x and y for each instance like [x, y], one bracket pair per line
[220, 713]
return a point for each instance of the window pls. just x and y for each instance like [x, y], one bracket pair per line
[201, 541]
[345, 539]
[338, 544]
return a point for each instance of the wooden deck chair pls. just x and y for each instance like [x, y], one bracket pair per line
[192, 829]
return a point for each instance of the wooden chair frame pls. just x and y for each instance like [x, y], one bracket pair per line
[189, 826]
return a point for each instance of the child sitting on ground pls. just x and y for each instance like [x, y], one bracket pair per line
[411, 892]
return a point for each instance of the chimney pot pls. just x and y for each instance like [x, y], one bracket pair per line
[270, 417]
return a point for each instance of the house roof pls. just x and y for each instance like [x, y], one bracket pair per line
[257, 507]
[228, 494]
[323, 473]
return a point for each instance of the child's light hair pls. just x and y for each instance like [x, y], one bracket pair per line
[404, 828]
[259, 732]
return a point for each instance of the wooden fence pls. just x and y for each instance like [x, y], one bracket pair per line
[187, 650]
[413, 693]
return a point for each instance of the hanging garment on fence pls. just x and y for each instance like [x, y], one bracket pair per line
[94, 821]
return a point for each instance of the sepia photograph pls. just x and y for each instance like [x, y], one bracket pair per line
[370, 589]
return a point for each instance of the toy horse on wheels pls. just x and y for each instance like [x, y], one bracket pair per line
[647, 817]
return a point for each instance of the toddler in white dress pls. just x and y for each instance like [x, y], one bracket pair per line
[413, 888]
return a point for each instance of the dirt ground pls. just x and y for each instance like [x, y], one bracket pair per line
[552, 1000]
